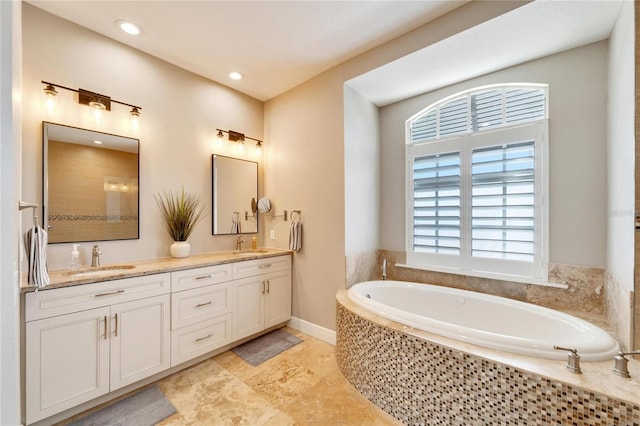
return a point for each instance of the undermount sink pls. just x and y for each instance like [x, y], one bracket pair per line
[250, 252]
[100, 270]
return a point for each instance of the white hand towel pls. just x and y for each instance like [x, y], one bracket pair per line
[35, 244]
[235, 225]
[295, 235]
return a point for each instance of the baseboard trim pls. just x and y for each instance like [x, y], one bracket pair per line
[313, 330]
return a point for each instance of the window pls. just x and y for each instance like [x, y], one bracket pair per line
[476, 184]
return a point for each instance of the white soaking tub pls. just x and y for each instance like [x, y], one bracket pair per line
[485, 320]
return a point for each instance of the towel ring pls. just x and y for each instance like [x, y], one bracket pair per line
[296, 211]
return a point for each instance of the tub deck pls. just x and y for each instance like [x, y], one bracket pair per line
[423, 378]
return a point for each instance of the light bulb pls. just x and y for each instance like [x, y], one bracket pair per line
[129, 27]
[50, 98]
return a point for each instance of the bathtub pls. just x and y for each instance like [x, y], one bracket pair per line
[484, 320]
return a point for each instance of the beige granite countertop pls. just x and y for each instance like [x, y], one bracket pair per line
[67, 278]
[597, 376]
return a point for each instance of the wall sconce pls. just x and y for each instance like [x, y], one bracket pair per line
[95, 100]
[238, 138]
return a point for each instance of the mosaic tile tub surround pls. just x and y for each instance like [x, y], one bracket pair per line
[427, 383]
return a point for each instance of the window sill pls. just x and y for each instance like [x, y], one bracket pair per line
[480, 274]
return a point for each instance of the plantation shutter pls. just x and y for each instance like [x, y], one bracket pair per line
[524, 105]
[503, 192]
[424, 128]
[436, 203]
[486, 109]
[479, 110]
[454, 117]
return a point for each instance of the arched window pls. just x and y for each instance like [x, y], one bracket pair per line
[476, 177]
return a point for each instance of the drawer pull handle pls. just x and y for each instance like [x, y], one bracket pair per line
[268, 286]
[111, 293]
[116, 334]
[204, 277]
[200, 339]
[268, 265]
[264, 286]
[200, 305]
[105, 328]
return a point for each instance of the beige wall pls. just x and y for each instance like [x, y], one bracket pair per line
[10, 178]
[180, 112]
[621, 179]
[621, 148]
[577, 170]
[305, 134]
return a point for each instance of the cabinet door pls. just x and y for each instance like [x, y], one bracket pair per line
[140, 339]
[278, 298]
[249, 306]
[67, 361]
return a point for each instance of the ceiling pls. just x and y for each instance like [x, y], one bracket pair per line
[275, 44]
[536, 30]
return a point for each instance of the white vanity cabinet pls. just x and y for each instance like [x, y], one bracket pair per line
[201, 311]
[85, 341]
[262, 294]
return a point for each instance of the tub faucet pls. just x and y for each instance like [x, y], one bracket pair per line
[95, 256]
[239, 242]
[384, 269]
[573, 362]
[621, 367]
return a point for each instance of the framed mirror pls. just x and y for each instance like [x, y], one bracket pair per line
[235, 193]
[90, 185]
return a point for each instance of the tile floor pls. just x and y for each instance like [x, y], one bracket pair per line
[301, 386]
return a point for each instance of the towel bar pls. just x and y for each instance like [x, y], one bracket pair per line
[24, 205]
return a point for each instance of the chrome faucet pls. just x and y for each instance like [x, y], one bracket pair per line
[239, 242]
[95, 256]
[573, 361]
[384, 269]
[621, 367]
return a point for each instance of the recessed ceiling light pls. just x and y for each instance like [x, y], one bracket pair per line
[97, 142]
[129, 27]
[235, 75]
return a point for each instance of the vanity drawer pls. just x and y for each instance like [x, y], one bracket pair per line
[191, 306]
[251, 268]
[58, 301]
[200, 277]
[198, 339]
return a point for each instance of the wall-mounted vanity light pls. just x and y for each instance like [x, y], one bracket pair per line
[95, 100]
[238, 138]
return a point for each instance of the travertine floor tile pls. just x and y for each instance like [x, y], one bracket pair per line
[301, 386]
[208, 394]
[333, 401]
[283, 382]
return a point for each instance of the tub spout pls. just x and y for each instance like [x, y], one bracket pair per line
[384, 269]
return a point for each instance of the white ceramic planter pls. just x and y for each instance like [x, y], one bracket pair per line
[180, 249]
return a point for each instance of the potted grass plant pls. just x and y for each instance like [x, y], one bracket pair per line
[180, 213]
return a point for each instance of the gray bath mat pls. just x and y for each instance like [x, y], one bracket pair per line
[145, 408]
[259, 350]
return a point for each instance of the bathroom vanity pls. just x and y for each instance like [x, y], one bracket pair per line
[95, 332]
